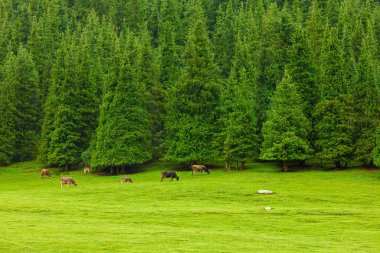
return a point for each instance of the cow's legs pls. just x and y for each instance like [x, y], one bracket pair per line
[162, 178]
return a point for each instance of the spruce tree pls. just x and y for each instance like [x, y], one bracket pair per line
[193, 101]
[301, 69]
[44, 40]
[20, 107]
[28, 107]
[269, 59]
[60, 142]
[367, 100]
[287, 128]
[123, 134]
[224, 39]
[90, 74]
[169, 41]
[314, 29]
[237, 138]
[149, 77]
[8, 110]
[333, 113]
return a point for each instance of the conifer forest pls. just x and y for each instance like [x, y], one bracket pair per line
[116, 83]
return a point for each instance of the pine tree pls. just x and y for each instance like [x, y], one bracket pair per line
[149, 76]
[193, 101]
[8, 110]
[287, 128]
[314, 31]
[90, 74]
[123, 133]
[302, 71]
[333, 113]
[169, 42]
[60, 142]
[28, 106]
[367, 98]
[20, 108]
[224, 39]
[44, 40]
[237, 138]
[269, 59]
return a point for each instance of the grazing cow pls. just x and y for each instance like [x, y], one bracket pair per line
[87, 170]
[45, 173]
[126, 180]
[67, 181]
[200, 168]
[171, 174]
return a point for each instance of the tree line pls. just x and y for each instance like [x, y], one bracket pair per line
[116, 83]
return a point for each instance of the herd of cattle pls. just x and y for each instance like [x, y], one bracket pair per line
[45, 173]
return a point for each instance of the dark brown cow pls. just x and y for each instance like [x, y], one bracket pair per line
[45, 173]
[200, 168]
[87, 170]
[167, 174]
[67, 181]
[126, 180]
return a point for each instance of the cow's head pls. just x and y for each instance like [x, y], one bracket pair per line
[177, 178]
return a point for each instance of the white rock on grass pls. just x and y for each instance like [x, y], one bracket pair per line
[267, 208]
[264, 192]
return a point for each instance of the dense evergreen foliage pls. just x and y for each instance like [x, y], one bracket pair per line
[116, 83]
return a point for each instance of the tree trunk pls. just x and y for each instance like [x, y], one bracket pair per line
[242, 165]
[228, 166]
[111, 170]
[337, 164]
[285, 167]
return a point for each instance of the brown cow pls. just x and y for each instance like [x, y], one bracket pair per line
[45, 173]
[87, 170]
[67, 181]
[126, 180]
[200, 168]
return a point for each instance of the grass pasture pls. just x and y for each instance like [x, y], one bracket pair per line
[313, 211]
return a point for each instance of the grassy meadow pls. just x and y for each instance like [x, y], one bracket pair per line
[313, 211]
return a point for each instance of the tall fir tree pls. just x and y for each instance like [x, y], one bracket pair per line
[334, 112]
[238, 120]
[301, 69]
[367, 100]
[60, 141]
[149, 77]
[287, 128]
[269, 59]
[123, 133]
[314, 30]
[44, 40]
[21, 122]
[170, 41]
[28, 107]
[90, 75]
[193, 100]
[224, 39]
[7, 110]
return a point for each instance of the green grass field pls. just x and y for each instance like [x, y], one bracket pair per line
[313, 211]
